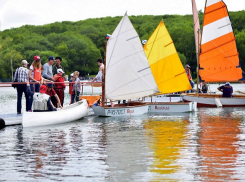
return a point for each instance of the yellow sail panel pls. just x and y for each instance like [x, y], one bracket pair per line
[164, 62]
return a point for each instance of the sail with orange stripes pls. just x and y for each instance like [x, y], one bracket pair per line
[218, 60]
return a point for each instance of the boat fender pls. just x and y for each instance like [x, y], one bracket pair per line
[2, 123]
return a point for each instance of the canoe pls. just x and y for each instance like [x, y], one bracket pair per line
[215, 100]
[10, 119]
[130, 109]
[69, 113]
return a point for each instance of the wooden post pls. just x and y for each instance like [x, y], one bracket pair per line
[103, 80]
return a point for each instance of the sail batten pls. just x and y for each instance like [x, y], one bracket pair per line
[126, 73]
[164, 61]
[219, 59]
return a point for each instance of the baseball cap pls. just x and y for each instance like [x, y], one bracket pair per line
[60, 71]
[49, 85]
[37, 58]
[72, 74]
[187, 66]
[227, 83]
[24, 62]
[43, 89]
[51, 58]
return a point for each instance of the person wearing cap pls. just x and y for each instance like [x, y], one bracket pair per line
[60, 86]
[71, 82]
[51, 92]
[35, 76]
[226, 89]
[41, 101]
[188, 73]
[57, 65]
[22, 73]
[47, 69]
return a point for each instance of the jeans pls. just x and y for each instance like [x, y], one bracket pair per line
[20, 90]
[37, 88]
[192, 85]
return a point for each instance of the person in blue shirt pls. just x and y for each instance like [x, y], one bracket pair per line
[226, 89]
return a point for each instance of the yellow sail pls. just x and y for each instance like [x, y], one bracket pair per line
[164, 61]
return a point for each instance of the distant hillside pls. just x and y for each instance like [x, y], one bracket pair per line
[81, 43]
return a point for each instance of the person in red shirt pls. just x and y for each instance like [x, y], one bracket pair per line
[59, 86]
[51, 92]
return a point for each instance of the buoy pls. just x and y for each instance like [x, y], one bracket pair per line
[2, 123]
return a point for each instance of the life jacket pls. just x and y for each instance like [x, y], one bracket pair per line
[40, 102]
[36, 73]
[189, 74]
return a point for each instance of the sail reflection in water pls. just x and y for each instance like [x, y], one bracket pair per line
[219, 149]
[165, 139]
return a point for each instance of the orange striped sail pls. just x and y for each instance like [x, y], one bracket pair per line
[218, 61]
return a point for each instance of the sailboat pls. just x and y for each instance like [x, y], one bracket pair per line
[168, 71]
[127, 73]
[217, 56]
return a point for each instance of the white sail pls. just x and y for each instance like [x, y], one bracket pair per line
[128, 74]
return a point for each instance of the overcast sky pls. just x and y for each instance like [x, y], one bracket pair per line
[15, 13]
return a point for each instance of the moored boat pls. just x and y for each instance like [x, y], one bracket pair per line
[168, 72]
[69, 113]
[215, 100]
[217, 55]
[127, 73]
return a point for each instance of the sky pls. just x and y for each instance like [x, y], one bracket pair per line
[16, 13]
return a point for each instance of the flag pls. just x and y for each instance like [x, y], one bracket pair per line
[108, 36]
[144, 42]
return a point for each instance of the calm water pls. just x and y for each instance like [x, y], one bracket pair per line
[208, 145]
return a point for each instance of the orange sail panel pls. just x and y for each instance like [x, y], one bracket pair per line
[218, 61]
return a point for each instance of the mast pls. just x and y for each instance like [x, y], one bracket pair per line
[104, 75]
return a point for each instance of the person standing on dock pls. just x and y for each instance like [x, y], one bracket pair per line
[22, 73]
[35, 76]
[77, 86]
[60, 86]
[47, 69]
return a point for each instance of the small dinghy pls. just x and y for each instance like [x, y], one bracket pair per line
[67, 114]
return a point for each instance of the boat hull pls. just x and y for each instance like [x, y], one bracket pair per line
[69, 113]
[167, 107]
[121, 110]
[208, 100]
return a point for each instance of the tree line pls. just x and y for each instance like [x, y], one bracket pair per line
[81, 43]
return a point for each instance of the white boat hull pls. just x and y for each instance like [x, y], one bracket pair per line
[121, 110]
[10, 119]
[67, 114]
[170, 107]
[210, 100]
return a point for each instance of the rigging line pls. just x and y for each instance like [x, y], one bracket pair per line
[129, 82]
[116, 40]
[126, 57]
[126, 40]
[223, 52]
[154, 42]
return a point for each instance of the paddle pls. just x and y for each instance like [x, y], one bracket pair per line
[240, 92]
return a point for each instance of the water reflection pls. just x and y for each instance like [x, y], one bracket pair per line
[205, 146]
[165, 138]
[218, 145]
